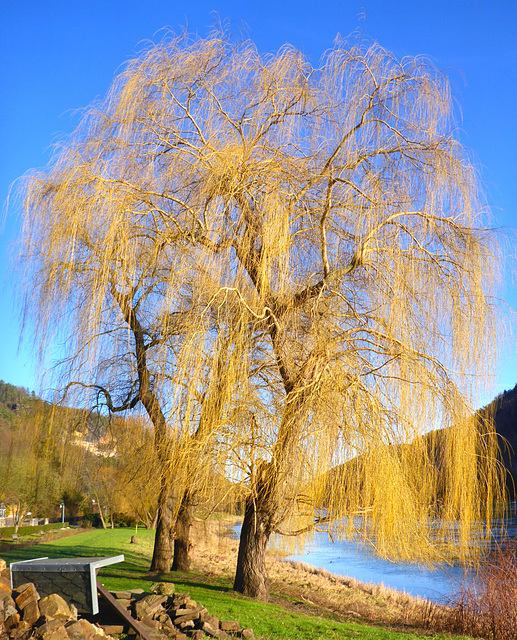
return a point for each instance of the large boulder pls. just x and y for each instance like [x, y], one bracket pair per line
[55, 607]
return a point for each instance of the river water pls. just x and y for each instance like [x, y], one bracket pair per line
[352, 559]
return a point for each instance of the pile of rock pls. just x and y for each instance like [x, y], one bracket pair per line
[24, 615]
[176, 615]
[161, 614]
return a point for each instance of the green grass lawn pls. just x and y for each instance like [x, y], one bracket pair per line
[269, 621]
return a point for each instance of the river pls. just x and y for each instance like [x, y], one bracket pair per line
[354, 560]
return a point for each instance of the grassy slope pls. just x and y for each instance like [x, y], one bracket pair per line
[268, 620]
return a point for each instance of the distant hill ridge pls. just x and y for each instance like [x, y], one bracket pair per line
[14, 401]
[504, 411]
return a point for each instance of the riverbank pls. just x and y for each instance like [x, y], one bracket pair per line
[301, 587]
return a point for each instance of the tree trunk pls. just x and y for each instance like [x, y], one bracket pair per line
[162, 553]
[18, 518]
[99, 506]
[251, 575]
[182, 544]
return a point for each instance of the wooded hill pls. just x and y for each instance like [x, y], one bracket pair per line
[12, 401]
[76, 471]
[501, 412]
[50, 454]
[17, 403]
[504, 410]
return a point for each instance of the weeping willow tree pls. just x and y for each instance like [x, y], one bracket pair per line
[293, 261]
[116, 299]
[135, 341]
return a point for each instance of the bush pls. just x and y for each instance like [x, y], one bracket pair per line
[91, 520]
[124, 520]
[488, 608]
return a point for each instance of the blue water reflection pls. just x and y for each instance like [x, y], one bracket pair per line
[353, 559]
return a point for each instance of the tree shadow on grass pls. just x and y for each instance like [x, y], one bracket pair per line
[135, 566]
[134, 560]
[184, 583]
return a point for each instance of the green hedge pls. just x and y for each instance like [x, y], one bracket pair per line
[7, 532]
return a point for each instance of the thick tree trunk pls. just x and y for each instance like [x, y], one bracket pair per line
[251, 575]
[162, 553]
[182, 544]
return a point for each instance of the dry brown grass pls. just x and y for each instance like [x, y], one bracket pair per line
[302, 587]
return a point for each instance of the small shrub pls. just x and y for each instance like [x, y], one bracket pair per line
[488, 608]
[91, 520]
[124, 520]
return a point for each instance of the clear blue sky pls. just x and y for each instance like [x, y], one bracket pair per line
[56, 57]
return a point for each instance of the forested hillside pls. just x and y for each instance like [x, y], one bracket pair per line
[504, 410]
[12, 401]
[50, 454]
[501, 413]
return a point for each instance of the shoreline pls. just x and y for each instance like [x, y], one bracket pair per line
[300, 586]
[439, 585]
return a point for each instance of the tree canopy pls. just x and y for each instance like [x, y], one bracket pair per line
[291, 263]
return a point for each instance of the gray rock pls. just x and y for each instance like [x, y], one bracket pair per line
[31, 612]
[150, 605]
[121, 595]
[9, 607]
[231, 626]
[52, 630]
[183, 615]
[214, 632]
[82, 630]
